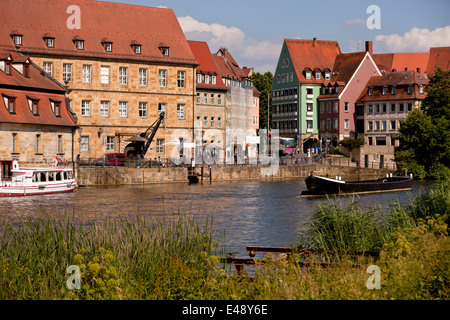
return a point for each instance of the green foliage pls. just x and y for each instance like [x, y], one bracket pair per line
[263, 82]
[425, 135]
[351, 144]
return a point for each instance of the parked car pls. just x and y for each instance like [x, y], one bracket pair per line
[111, 159]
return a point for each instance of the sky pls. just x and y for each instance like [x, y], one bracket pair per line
[254, 30]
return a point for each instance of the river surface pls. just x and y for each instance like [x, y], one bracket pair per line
[259, 213]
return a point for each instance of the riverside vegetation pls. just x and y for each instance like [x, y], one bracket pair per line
[147, 258]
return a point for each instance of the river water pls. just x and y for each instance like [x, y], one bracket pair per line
[258, 213]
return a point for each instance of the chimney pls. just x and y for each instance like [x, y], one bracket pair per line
[418, 70]
[369, 47]
[394, 70]
[314, 41]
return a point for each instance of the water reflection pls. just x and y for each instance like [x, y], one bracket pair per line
[264, 213]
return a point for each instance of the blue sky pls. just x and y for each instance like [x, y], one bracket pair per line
[253, 30]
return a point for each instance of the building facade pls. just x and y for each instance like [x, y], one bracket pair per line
[209, 113]
[303, 67]
[118, 78]
[35, 124]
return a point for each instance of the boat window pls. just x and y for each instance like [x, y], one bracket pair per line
[59, 176]
[43, 177]
[70, 175]
[51, 176]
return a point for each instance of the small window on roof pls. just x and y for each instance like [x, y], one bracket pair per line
[107, 44]
[33, 103]
[164, 49]
[10, 104]
[308, 75]
[17, 38]
[136, 48]
[79, 44]
[49, 40]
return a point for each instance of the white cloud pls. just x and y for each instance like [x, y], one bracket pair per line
[415, 40]
[162, 6]
[355, 22]
[245, 50]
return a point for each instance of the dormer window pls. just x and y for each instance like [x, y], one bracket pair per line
[49, 40]
[79, 43]
[393, 90]
[370, 92]
[17, 38]
[421, 89]
[164, 49]
[409, 89]
[199, 77]
[308, 75]
[327, 75]
[33, 103]
[10, 103]
[384, 91]
[107, 44]
[318, 76]
[56, 107]
[137, 47]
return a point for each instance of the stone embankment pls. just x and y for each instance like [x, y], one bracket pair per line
[110, 176]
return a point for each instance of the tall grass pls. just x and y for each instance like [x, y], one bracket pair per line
[138, 257]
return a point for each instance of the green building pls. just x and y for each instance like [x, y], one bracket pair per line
[303, 66]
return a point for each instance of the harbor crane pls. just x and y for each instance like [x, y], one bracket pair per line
[137, 149]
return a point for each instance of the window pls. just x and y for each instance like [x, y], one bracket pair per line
[11, 104]
[85, 108]
[143, 77]
[34, 104]
[107, 46]
[180, 111]
[219, 99]
[198, 98]
[318, 76]
[56, 107]
[137, 48]
[164, 51]
[104, 108]
[162, 108]
[79, 44]
[384, 91]
[322, 124]
[162, 75]
[393, 90]
[336, 109]
[308, 75]
[104, 75]
[212, 122]
[212, 98]
[377, 125]
[383, 125]
[420, 89]
[17, 39]
[123, 106]
[335, 124]
[309, 91]
[205, 98]
[409, 107]
[383, 109]
[393, 125]
[48, 68]
[328, 107]
[181, 75]
[14, 143]
[84, 143]
[322, 108]
[160, 146]
[50, 42]
[110, 143]
[370, 92]
[392, 107]
[370, 109]
[346, 106]
[219, 122]
[60, 145]
[8, 68]
[370, 126]
[199, 77]
[327, 75]
[309, 106]
[377, 108]
[328, 124]
[123, 76]
[87, 69]
[213, 79]
[67, 72]
[400, 107]
[38, 144]
[409, 89]
[346, 124]
[205, 122]
[206, 78]
[142, 109]
[198, 123]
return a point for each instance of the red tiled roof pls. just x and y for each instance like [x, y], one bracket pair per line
[401, 80]
[206, 64]
[120, 23]
[345, 66]
[228, 67]
[36, 87]
[401, 61]
[312, 54]
[439, 57]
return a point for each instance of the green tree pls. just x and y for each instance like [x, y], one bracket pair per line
[263, 82]
[425, 135]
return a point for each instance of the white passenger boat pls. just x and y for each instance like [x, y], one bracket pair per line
[15, 181]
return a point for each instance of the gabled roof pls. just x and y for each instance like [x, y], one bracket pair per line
[119, 23]
[312, 54]
[36, 87]
[206, 65]
[439, 57]
[346, 65]
[228, 67]
[401, 61]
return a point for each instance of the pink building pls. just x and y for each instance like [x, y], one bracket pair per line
[349, 76]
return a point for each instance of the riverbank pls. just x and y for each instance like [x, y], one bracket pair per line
[114, 176]
[151, 258]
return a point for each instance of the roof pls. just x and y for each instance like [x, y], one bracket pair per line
[402, 61]
[228, 67]
[119, 23]
[37, 87]
[400, 79]
[206, 65]
[312, 54]
[439, 57]
[346, 65]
